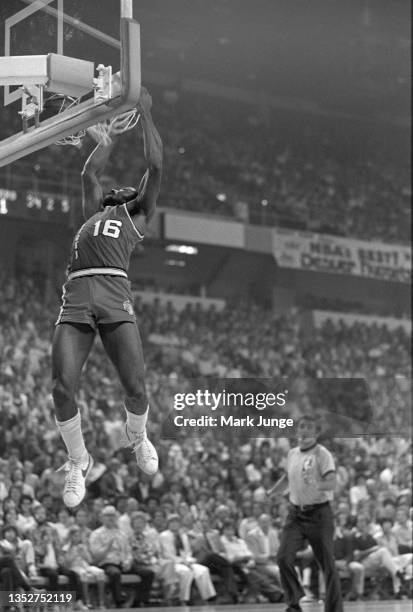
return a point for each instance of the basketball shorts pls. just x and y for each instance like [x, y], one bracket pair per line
[97, 300]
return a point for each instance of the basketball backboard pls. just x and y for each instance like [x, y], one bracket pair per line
[93, 31]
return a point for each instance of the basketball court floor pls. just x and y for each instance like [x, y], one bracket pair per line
[367, 606]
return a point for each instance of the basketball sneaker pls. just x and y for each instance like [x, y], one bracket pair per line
[145, 453]
[76, 473]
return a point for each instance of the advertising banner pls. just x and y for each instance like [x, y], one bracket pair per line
[338, 255]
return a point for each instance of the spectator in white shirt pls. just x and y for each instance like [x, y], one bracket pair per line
[130, 506]
[25, 519]
[389, 541]
[264, 543]
[175, 545]
[358, 493]
[111, 551]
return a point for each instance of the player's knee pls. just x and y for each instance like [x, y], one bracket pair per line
[62, 392]
[136, 392]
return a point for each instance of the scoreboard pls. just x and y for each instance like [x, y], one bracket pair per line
[34, 206]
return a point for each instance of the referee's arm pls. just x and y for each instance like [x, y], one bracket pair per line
[280, 485]
[328, 482]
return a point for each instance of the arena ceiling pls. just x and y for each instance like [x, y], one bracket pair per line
[351, 56]
[348, 56]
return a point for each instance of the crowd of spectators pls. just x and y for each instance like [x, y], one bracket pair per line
[296, 171]
[225, 158]
[206, 512]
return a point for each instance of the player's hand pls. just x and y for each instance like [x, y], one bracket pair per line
[145, 101]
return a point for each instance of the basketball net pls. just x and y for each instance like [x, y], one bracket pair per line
[102, 132]
[73, 139]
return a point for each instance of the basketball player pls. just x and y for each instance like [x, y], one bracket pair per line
[97, 298]
[311, 478]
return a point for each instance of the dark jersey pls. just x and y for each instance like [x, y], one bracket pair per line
[106, 240]
[363, 541]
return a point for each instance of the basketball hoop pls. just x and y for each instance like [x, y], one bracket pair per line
[101, 132]
[64, 103]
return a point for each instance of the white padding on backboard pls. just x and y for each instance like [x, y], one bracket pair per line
[66, 75]
[27, 69]
[87, 113]
[69, 76]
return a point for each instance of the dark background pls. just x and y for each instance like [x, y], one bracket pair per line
[351, 56]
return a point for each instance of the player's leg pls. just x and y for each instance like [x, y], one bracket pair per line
[123, 345]
[292, 540]
[124, 348]
[71, 346]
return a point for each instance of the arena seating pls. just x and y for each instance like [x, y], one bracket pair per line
[289, 170]
[243, 340]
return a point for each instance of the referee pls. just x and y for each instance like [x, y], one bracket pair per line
[311, 482]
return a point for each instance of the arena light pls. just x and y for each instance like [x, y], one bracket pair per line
[181, 150]
[183, 249]
[264, 202]
[177, 263]
[221, 197]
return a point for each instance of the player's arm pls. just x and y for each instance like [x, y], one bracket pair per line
[150, 184]
[92, 194]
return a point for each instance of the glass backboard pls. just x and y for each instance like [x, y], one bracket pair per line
[102, 33]
[85, 30]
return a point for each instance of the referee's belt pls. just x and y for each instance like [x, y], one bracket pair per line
[310, 507]
[97, 271]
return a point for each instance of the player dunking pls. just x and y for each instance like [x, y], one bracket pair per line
[97, 297]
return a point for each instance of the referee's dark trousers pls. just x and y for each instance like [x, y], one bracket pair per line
[315, 524]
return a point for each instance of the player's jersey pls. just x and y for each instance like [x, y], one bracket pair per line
[106, 240]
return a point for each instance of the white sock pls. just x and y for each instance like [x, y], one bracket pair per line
[72, 436]
[136, 422]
